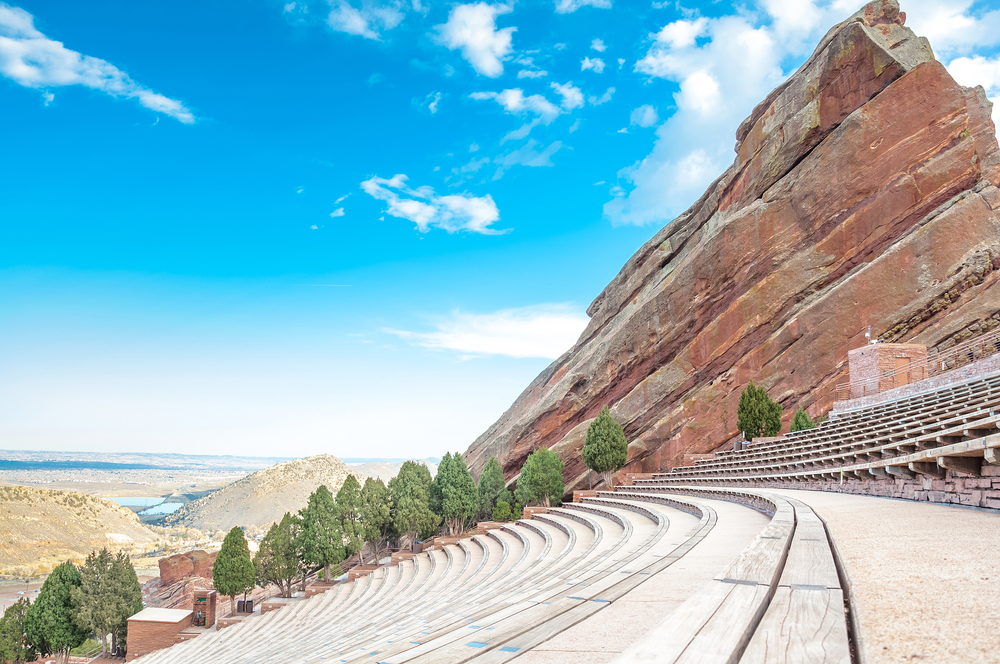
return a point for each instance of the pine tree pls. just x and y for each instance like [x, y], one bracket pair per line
[128, 599]
[233, 572]
[49, 624]
[411, 513]
[459, 497]
[491, 484]
[541, 479]
[94, 600]
[276, 560]
[605, 449]
[436, 495]
[801, 421]
[757, 415]
[14, 647]
[349, 509]
[321, 539]
[376, 509]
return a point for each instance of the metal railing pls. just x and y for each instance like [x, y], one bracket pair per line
[937, 363]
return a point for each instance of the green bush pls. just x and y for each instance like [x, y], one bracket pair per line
[757, 414]
[502, 511]
[802, 421]
[517, 512]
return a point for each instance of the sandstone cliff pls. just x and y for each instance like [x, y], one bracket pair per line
[264, 496]
[863, 193]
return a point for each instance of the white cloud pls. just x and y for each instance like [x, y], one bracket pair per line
[598, 46]
[623, 130]
[32, 60]
[570, 6]
[453, 213]
[431, 102]
[526, 155]
[955, 26]
[599, 183]
[473, 148]
[603, 99]
[596, 64]
[314, 227]
[339, 212]
[514, 102]
[300, 190]
[621, 62]
[472, 28]
[576, 125]
[644, 116]
[543, 331]
[978, 70]
[341, 199]
[366, 21]
[572, 96]
[532, 73]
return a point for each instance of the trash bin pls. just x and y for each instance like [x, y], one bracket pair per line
[240, 604]
[248, 605]
[418, 547]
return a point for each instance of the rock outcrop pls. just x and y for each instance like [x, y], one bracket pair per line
[864, 193]
[183, 565]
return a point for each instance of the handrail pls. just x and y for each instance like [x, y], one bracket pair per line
[937, 363]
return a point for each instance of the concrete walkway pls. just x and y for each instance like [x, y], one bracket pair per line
[926, 578]
[600, 638]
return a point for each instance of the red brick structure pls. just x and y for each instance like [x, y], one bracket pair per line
[203, 608]
[880, 367]
[152, 629]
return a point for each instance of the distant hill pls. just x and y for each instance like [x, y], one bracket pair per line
[40, 528]
[263, 497]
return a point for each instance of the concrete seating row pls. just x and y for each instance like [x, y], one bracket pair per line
[779, 602]
[956, 429]
[492, 595]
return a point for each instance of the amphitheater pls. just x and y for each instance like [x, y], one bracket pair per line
[725, 560]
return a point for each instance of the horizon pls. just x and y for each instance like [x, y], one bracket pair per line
[206, 248]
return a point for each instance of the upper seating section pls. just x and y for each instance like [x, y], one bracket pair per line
[948, 428]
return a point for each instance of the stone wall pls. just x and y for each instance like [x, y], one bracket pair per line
[872, 367]
[145, 636]
[984, 368]
[954, 489]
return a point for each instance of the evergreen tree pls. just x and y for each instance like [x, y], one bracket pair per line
[376, 514]
[459, 497]
[49, 623]
[801, 421]
[411, 513]
[233, 572]
[491, 485]
[128, 600]
[321, 539]
[436, 495]
[757, 415]
[94, 601]
[14, 647]
[605, 449]
[349, 509]
[276, 560]
[541, 479]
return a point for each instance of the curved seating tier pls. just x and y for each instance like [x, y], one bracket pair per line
[489, 596]
[780, 601]
[952, 428]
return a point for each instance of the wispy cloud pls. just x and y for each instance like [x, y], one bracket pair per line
[570, 6]
[598, 45]
[31, 59]
[339, 212]
[644, 116]
[603, 99]
[595, 64]
[368, 20]
[472, 29]
[452, 213]
[542, 331]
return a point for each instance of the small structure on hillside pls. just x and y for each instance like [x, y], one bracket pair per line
[880, 367]
[152, 629]
[203, 608]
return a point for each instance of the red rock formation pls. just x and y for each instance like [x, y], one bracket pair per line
[863, 193]
[182, 565]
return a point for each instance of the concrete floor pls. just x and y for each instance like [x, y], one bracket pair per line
[926, 578]
[601, 637]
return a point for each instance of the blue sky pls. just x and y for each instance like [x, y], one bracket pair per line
[361, 228]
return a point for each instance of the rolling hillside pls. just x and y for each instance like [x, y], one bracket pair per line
[41, 528]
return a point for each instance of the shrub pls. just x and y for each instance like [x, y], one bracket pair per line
[517, 512]
[541, 479]
[757, 414]
[802, 421]
[502, 511]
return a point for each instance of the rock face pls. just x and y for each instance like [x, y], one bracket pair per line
[864, 193]
[183, 565]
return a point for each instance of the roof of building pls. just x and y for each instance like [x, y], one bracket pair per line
[162, 615]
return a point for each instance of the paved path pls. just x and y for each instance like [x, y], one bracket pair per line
[926, 578]
[601, 637]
